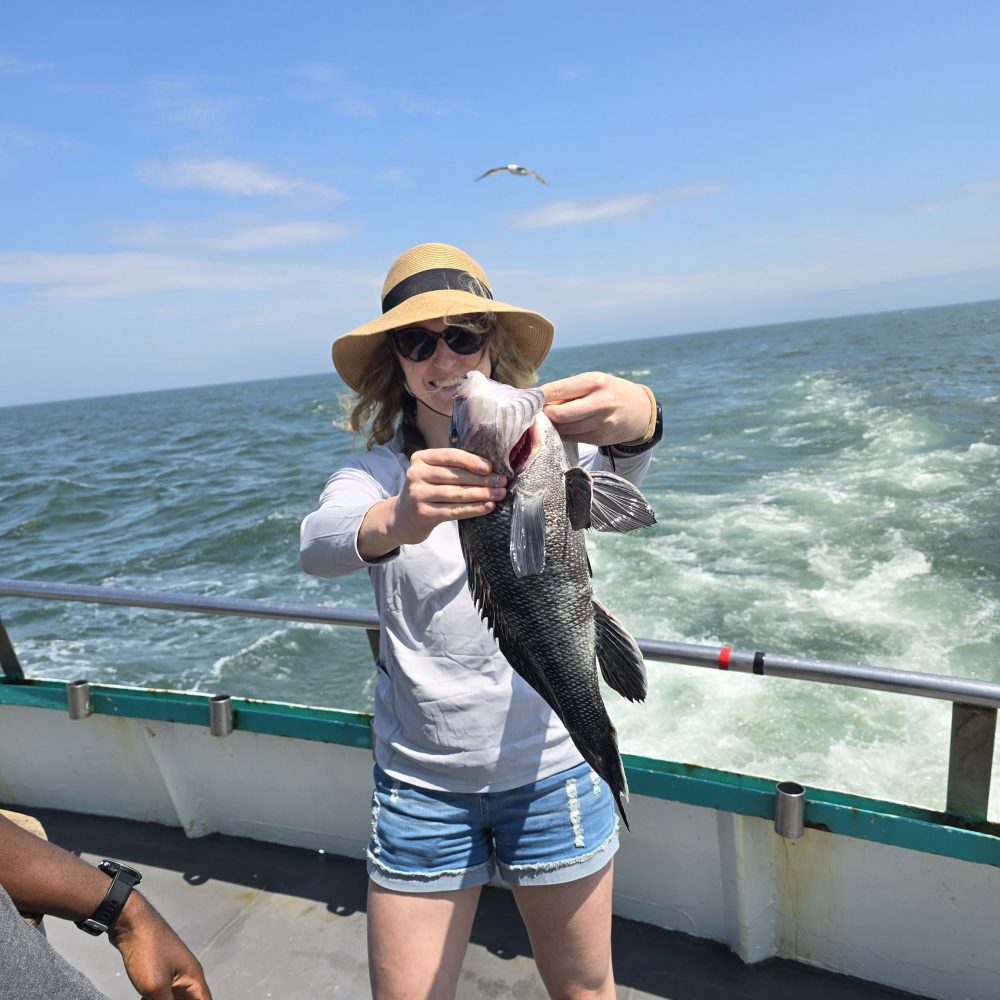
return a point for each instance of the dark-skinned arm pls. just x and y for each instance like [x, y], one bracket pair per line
[43, 878]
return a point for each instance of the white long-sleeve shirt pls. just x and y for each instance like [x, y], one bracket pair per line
[450, 712]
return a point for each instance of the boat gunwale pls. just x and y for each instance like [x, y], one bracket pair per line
[889, 823]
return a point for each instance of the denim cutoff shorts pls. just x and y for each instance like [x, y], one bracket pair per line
[558, 829]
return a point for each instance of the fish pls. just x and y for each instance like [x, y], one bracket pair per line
[528, 569]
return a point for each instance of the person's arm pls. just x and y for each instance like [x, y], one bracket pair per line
[441, 484]
[597, 408]
[43, 878]
[357, 524]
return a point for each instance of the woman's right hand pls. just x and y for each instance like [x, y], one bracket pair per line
[442, 484]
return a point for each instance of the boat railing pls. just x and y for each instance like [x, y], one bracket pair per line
[974, 702]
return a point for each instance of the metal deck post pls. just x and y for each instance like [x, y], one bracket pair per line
[8, 657]
[970, 761]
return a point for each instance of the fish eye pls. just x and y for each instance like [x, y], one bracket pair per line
[453, 436]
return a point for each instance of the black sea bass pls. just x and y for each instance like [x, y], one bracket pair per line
[528, 567]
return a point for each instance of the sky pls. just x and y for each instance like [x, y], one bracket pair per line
[199, 193]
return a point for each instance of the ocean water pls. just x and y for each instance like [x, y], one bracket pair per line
[823, 489]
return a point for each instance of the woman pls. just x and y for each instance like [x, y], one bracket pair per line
[474, 773]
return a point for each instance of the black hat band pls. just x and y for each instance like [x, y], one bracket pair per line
[434, 279]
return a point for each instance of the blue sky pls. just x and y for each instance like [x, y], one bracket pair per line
[202, 193]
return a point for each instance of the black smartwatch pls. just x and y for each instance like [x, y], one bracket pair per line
[123, 881]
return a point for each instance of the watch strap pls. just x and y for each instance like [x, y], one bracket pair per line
[123, 881]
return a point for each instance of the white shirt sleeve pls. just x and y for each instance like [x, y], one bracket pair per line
[329, 535]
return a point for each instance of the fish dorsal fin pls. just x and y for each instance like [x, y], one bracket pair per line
[579, 497]
[618, 505]
[618, 654]
[527, 535]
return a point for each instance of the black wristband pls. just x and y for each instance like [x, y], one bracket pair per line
[123, 881]
[638, 449]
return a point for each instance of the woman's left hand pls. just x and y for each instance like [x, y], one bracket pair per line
[597, 408]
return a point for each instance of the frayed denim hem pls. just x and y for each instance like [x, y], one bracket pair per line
[565, 870]
[442, 881]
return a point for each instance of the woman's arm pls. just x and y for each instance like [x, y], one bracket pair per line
[357, 523]
[597, 408]
[604, 410]
[441, 484]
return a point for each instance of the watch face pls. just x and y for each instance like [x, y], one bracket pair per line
[116, 867]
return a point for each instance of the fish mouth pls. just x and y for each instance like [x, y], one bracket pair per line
[496, 421]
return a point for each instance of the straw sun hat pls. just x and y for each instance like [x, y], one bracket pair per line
[432, 281]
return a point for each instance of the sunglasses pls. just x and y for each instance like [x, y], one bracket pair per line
[417, 344]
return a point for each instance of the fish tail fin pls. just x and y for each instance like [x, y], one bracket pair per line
[621, 812]
[620, 791]
[619, 656]
[603, 756]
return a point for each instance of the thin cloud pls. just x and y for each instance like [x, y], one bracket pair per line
[232, 177]
[397, 177]
[231, 237]
[318, 72]
[355, 107]
[850, 267]
[135, 275]
[15, 66]
[418, 106]
[969, 191]
[567, 213]
[275, 235]
[11, 141]
[178, 102]
[131, 275]
[981, 189]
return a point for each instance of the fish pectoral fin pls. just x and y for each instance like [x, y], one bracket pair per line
[579, 497]
[619, 656]
[618, 505]
[527, 535]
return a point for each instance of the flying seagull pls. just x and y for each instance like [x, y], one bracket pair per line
[513, 168]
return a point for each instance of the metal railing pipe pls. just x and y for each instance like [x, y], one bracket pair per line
[968, 691]
[166, 600]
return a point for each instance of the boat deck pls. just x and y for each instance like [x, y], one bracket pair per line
[270, 921]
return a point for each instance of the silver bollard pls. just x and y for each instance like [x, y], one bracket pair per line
[220, 714]
[78, 699]
[789, 809]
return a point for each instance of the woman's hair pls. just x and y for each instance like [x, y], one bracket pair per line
[383, 405]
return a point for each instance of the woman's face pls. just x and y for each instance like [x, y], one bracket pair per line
[434, 381]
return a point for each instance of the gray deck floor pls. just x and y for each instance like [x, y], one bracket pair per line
[280, 922]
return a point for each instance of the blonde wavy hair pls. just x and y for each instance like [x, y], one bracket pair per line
[382, 406]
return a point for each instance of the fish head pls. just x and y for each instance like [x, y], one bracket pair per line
[497, 422]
